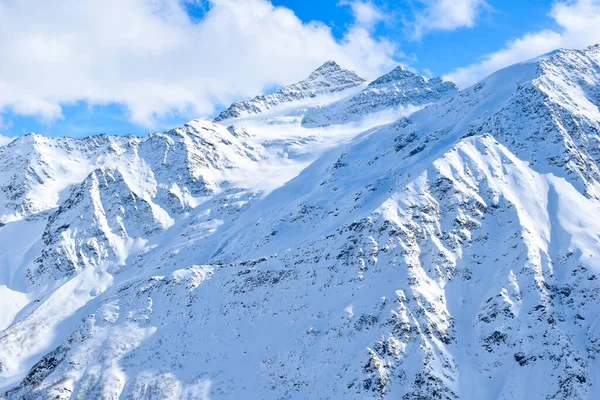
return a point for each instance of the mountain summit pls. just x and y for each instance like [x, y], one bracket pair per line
[398, 74]
[328, 79]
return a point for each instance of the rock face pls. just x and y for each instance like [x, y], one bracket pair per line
[399, 88]
[451, 254]
[328, 79]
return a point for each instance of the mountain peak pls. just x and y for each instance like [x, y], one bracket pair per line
[329, 64]
[327, 67]
[397, 74]
[329, 78]
[331, 72]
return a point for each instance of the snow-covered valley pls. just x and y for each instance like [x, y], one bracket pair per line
[335, 239]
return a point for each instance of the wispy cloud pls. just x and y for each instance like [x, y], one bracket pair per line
[150, 57]
[578, 27]
[444, 15]
[366, 13]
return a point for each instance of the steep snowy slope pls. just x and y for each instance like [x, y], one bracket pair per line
[168, 191]
[328, 79]
[397, 90]
[450, 254]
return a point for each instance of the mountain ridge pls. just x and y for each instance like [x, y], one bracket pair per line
[396, 89]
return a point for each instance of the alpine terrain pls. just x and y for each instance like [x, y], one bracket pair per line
[337, 239]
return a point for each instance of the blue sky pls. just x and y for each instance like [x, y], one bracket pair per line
[440, 52]
[157, 64]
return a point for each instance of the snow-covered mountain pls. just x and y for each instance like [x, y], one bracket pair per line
[452, 253]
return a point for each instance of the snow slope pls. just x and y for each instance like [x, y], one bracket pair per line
[452, 253]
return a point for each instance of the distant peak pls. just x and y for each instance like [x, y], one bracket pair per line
[328, 68]
[398, 73]
[328, 65]
[332, 72]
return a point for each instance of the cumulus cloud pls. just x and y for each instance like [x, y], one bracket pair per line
[150, 57]
[366, 13]
[578, 26]
[445, 15]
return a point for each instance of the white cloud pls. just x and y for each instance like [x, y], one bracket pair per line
[366, 13]
[148, 56]
[578, 27]
[4, 140]
[445, 15]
